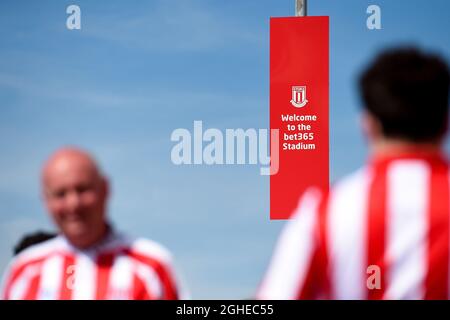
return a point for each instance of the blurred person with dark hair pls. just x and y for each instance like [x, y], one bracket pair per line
[31, 239]
[90, 259]
[382, 232]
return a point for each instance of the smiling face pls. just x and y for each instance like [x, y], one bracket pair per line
[75, 194]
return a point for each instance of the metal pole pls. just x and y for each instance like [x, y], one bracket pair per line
[300, 8]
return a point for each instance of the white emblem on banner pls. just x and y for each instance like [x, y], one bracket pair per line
[299, 96]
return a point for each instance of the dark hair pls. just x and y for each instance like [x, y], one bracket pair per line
[407, 91]
[32, 239]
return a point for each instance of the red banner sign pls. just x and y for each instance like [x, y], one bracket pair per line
[299, 71]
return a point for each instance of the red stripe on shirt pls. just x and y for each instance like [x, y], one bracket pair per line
[376, 226]
[436, 282]
[33, 287]
[104, 266]
[317, 282]
[140, 291]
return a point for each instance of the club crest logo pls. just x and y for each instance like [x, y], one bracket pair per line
[299, 96]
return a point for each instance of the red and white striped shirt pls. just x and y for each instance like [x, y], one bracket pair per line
[118, 268]
[393, 214]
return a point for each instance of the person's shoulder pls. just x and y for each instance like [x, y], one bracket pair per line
[150, 249]
[37, 252]
[353, 181]
[314, 196]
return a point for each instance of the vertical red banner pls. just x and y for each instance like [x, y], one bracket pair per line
[299, 93]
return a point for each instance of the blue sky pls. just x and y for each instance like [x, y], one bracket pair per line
[136, 71]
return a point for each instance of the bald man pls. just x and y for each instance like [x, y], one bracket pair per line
[89, 260]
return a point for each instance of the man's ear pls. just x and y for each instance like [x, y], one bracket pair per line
[371, 126]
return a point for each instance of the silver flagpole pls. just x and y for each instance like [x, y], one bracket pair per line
[300, 8]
